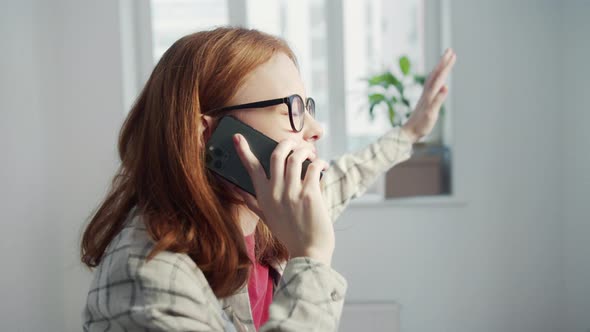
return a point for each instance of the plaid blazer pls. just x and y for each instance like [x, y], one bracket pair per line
[170, 292]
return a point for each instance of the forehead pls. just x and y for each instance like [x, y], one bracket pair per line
[276, 78]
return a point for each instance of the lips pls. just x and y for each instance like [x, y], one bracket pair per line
[314, 150]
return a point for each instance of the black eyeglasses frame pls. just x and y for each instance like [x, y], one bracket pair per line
[309, 107]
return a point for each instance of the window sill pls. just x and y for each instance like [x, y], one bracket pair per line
[376, 200]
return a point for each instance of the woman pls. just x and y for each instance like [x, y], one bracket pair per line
[177, 248]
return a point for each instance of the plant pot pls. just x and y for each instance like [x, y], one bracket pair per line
[426, 173]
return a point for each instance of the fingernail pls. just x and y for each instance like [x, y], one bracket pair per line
[237, 138]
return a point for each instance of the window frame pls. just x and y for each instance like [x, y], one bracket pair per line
[137, 64]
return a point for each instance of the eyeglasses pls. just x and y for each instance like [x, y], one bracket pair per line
[294, 103]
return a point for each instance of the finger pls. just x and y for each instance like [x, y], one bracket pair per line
[444, 61]
[249, 160]
[312, 177]
[278, 158]
[438, 68]
[440, 97]
[294, 166]
[440, 79]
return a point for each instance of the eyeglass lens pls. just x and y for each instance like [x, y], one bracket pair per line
[297, 112]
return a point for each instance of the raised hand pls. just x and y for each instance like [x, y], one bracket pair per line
[435, 92]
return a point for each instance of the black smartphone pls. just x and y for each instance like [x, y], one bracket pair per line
[222, 158]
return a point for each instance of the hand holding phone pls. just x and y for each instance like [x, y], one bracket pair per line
[222, 157]
[294, 210]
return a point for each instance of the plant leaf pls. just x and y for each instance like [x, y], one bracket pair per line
[391, 112]
[420, 79]
[374, 100]
[371, 112]
[405, 101]
[385, 80]
[404, 65]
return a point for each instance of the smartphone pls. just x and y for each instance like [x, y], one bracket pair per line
[222, 158]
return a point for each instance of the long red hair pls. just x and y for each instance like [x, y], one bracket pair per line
[162, 171]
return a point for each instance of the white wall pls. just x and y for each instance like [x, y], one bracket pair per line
[30, 275]
[85, 118]
[495, 263]
[576, 162]
[61, 110]
[499, 262]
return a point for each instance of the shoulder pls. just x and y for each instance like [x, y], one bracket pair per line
[126, 257]
[127, 285]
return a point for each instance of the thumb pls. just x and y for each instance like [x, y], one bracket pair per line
[248, 159]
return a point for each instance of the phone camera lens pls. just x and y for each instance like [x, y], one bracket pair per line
[218, 152]
[218, 164]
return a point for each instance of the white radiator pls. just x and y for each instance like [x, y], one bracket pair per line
[370, 316]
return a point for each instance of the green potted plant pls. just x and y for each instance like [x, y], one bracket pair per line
[386, 88]
[427, 171]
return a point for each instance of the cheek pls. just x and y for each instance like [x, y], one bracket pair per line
[274, 125]
[280, 131]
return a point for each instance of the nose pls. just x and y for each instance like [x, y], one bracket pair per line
[312, 129]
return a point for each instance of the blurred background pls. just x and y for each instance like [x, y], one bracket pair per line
[486, 228]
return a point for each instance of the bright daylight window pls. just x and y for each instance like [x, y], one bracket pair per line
[375, 34]
[172, 19]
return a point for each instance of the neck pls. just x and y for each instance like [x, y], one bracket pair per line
[248, 220]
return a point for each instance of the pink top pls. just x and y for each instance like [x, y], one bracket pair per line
[260, 286]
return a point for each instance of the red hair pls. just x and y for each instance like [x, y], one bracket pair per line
[162, 171]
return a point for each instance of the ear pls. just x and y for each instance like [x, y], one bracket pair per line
[206, 128]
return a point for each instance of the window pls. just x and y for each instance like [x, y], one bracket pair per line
[302, 23]
[172, 19]
[376, 34]
[368, 35]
